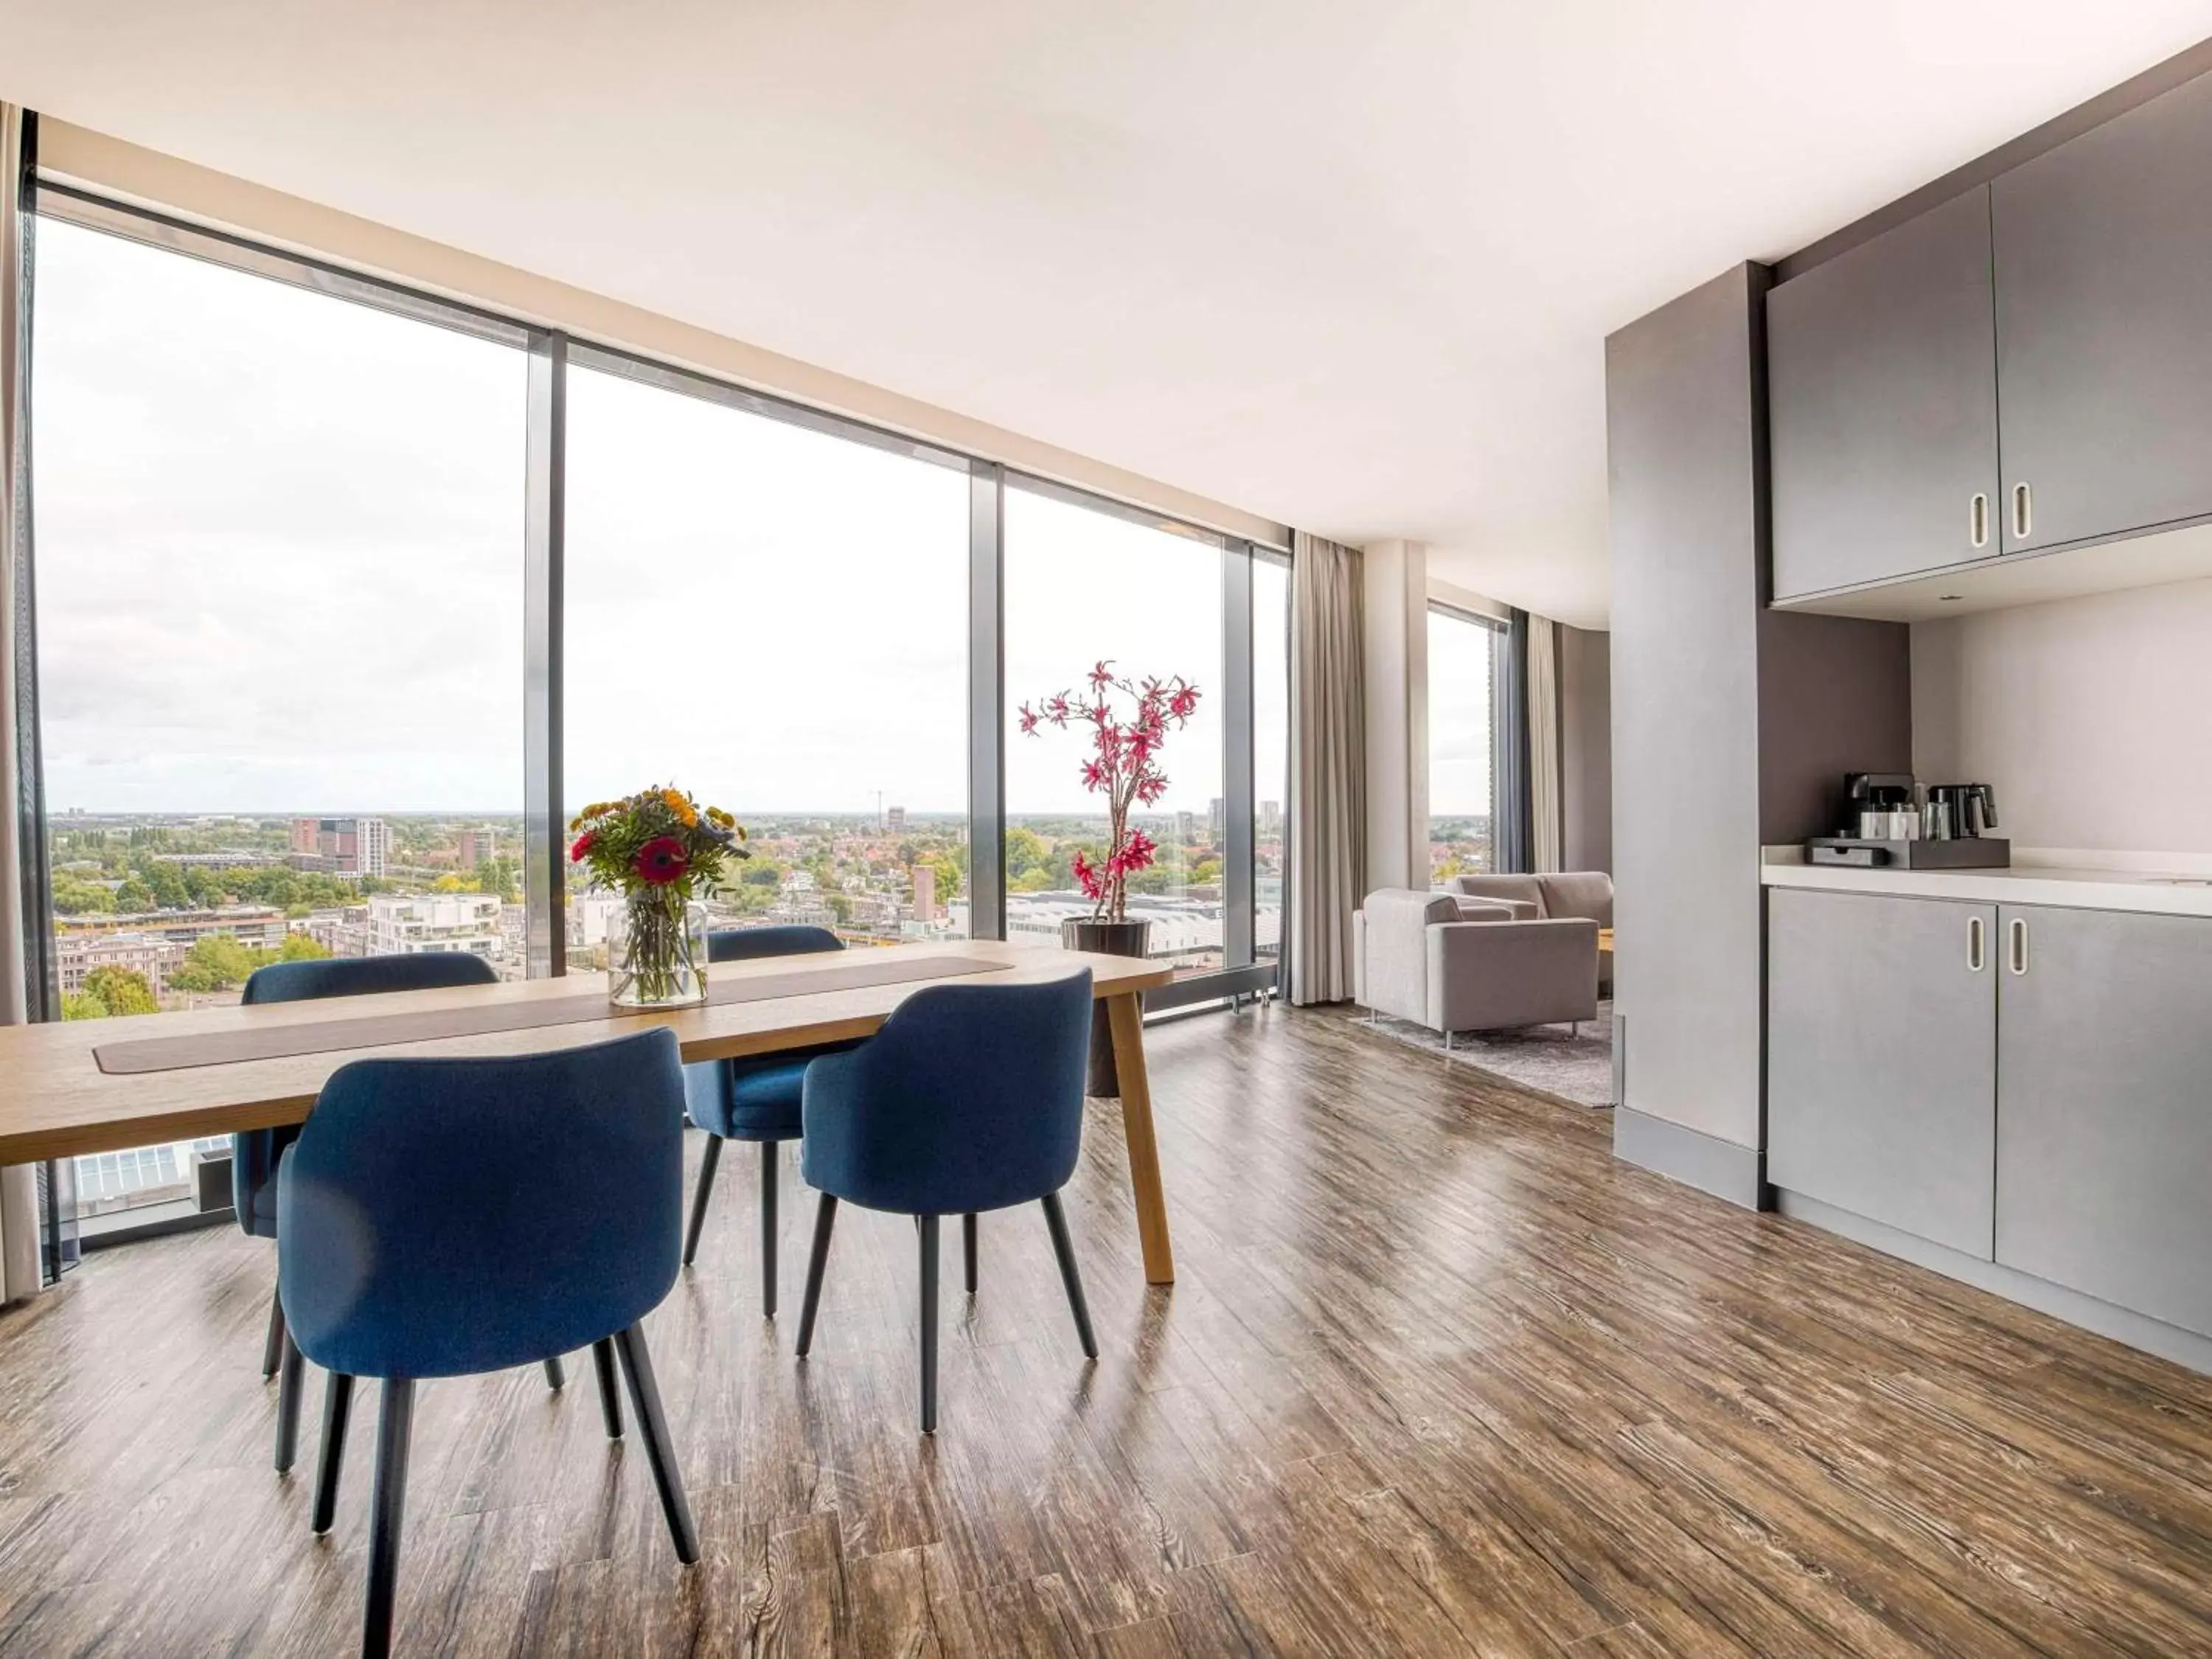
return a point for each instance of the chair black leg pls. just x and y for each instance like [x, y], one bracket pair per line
[329, 1456]
[769, 1150]
[1064, 1248]
[967, 1248]
[929, 1324]
[825, 1217]
[394, 1424]
[555, 1378]
[272, 1346]
[602, 1362]
[659, 1451]
[707, 1163]
[290, 1379]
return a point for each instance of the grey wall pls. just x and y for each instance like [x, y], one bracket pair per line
[2092, 717]
[1684, 455]
[1835, 695]
[1586, 748]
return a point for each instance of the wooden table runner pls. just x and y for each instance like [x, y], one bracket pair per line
[370, 1030]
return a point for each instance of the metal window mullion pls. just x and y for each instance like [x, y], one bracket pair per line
[41, 985]
[545, 559]
[1239, 824]
[987, 701]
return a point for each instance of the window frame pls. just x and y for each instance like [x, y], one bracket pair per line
[550, 352]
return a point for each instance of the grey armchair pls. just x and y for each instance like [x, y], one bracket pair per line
[1551, 897]
[1423, 957]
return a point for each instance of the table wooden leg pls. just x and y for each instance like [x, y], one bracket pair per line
[1125, 1014]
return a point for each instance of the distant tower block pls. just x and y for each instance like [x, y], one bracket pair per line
[925, 892]
[895, 820]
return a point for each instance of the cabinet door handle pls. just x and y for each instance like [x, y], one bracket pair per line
[2016, 945]
[1977, 956]
[1977, 520]
[2023, 512]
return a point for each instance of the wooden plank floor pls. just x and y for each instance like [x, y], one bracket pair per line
[1438, 1376]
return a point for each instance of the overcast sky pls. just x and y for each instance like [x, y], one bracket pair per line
[1459, 717]
[280, 542]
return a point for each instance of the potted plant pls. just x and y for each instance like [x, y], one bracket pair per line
[1129, 722]
[659, 849]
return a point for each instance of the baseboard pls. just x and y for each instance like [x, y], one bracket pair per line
[1711, 1165]
[2136, 1330]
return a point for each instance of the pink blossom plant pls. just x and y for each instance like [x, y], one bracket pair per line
[1123, 766]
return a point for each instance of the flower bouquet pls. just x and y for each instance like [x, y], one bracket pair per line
[660, 849]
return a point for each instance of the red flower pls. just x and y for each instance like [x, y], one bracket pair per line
[1087, 875]
[1101, 677]
[581, 848]
[1028, 721]
[1136, 852]
[661, 860]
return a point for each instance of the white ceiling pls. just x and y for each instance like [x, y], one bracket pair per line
[1348, 266]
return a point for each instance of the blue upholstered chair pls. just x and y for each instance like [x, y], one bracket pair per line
[970, 1098]
[751, 1098]
[255, 1154]
[427, 1226]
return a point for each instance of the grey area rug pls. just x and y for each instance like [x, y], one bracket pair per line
[1548, 1059]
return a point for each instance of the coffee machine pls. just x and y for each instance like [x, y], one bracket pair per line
[1890, 821]
[1959, 810]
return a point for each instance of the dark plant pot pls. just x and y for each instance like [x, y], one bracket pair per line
[1105, 938]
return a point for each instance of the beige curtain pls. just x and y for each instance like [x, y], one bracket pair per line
[1328, 768]
[19, 1204]
[1546, 807]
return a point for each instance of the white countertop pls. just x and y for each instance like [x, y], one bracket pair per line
[2172, 883]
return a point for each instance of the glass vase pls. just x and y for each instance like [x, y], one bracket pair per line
[657, 952]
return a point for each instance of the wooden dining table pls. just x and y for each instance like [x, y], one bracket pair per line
[103, 1085]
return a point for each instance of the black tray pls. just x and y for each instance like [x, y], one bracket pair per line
[1962, 853]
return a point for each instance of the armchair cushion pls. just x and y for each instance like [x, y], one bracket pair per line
[1523, 893]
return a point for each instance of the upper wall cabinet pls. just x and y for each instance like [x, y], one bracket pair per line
[1882, 406]
[2103, 309]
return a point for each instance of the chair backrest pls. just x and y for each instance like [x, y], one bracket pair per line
[1394, 948]
[358, 976]
[971, 1097]
[253, 1153]
[439, 1217]
[743, 943]
[1584, 893]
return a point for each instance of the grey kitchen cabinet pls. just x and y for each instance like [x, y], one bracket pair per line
[2103, 253]
[1882, 1058]
[1882, 406]
[2105, 1138]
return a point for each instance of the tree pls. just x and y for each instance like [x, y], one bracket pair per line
[120, 990]
[215, 963]
[300, 947]
[76, 897]
[83, 1004]
[134, 896]
[949, 873]
[1026, 851]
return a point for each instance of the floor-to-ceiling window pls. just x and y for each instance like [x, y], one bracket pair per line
[279, 556]
[776, 619]
[1464, 653]
[1086, 586]
[329, 575]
